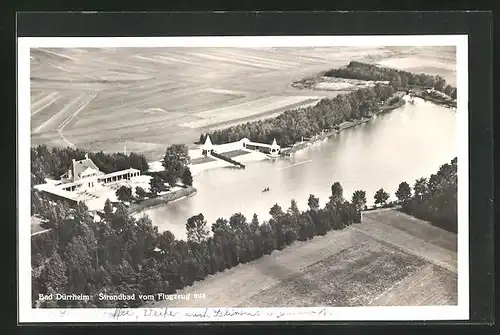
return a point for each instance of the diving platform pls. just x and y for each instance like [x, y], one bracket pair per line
[227, 159]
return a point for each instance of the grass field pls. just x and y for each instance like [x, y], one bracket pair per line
[388, 259]
[146, 99]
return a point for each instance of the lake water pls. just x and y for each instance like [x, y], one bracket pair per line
[401, 145]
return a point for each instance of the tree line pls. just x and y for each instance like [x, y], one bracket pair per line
[54, 162]
[122, 254]
[399, 79]
[157, 184]
[434, 199]
[291, 126]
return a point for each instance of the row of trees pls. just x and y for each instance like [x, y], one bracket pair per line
[126, 194]
[289, 127]
[400, 80]
[434, 199]
[157, 184]
[122, 254]
[54, 162]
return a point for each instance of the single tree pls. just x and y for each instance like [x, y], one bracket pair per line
[238, 224]
[420, 187]
[187, 178]
[313, 202]
[337, 191]
[404, 192]
[108, 209]
[175, 161]
[381, 197]
[359, 200]
[254, 224]
[166, 240]
[196, 227]
[276, 211]
[124, 193]
[54, 273]
[294, 209]
[156, 185]
[220, 227]
[140, 192]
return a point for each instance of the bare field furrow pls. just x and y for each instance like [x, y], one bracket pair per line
[235, 61]
[419, 229]
[430, 286]
[401, 240]
[50, 117]
[350, 278]
[43, 103]
[264, 61]
[37, 95]
[143, 95]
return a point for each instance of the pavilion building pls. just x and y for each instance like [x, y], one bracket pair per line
[83, 177]
[270, 149]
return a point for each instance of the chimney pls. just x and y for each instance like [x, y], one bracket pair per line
[86, 156]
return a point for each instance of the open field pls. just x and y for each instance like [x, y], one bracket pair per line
[250, 109]
[148, 98]
[388, 259]
[439, 61]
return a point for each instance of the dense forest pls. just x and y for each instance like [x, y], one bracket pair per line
[435, 198]
[291, 126]
[398, 79]
[121, 254]
[54, 162]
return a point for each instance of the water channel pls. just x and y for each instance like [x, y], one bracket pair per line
[400, 145]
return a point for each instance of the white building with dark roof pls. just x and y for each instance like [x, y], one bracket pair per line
[84, 181]
[270, 149]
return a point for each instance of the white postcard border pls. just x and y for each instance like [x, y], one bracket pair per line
[28, 314]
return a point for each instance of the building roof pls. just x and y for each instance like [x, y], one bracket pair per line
[117, 173]
[89, 171]
[274, 145]
[79, 167]
[70, 184]
[57, 190]
[264, 145]
[208, 143]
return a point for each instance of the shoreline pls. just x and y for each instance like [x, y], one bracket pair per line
[343, 126]
[137, 208]
[435, 101]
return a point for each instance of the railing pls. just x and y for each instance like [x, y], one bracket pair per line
[227, 159]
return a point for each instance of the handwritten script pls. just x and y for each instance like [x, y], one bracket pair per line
[169, 314]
